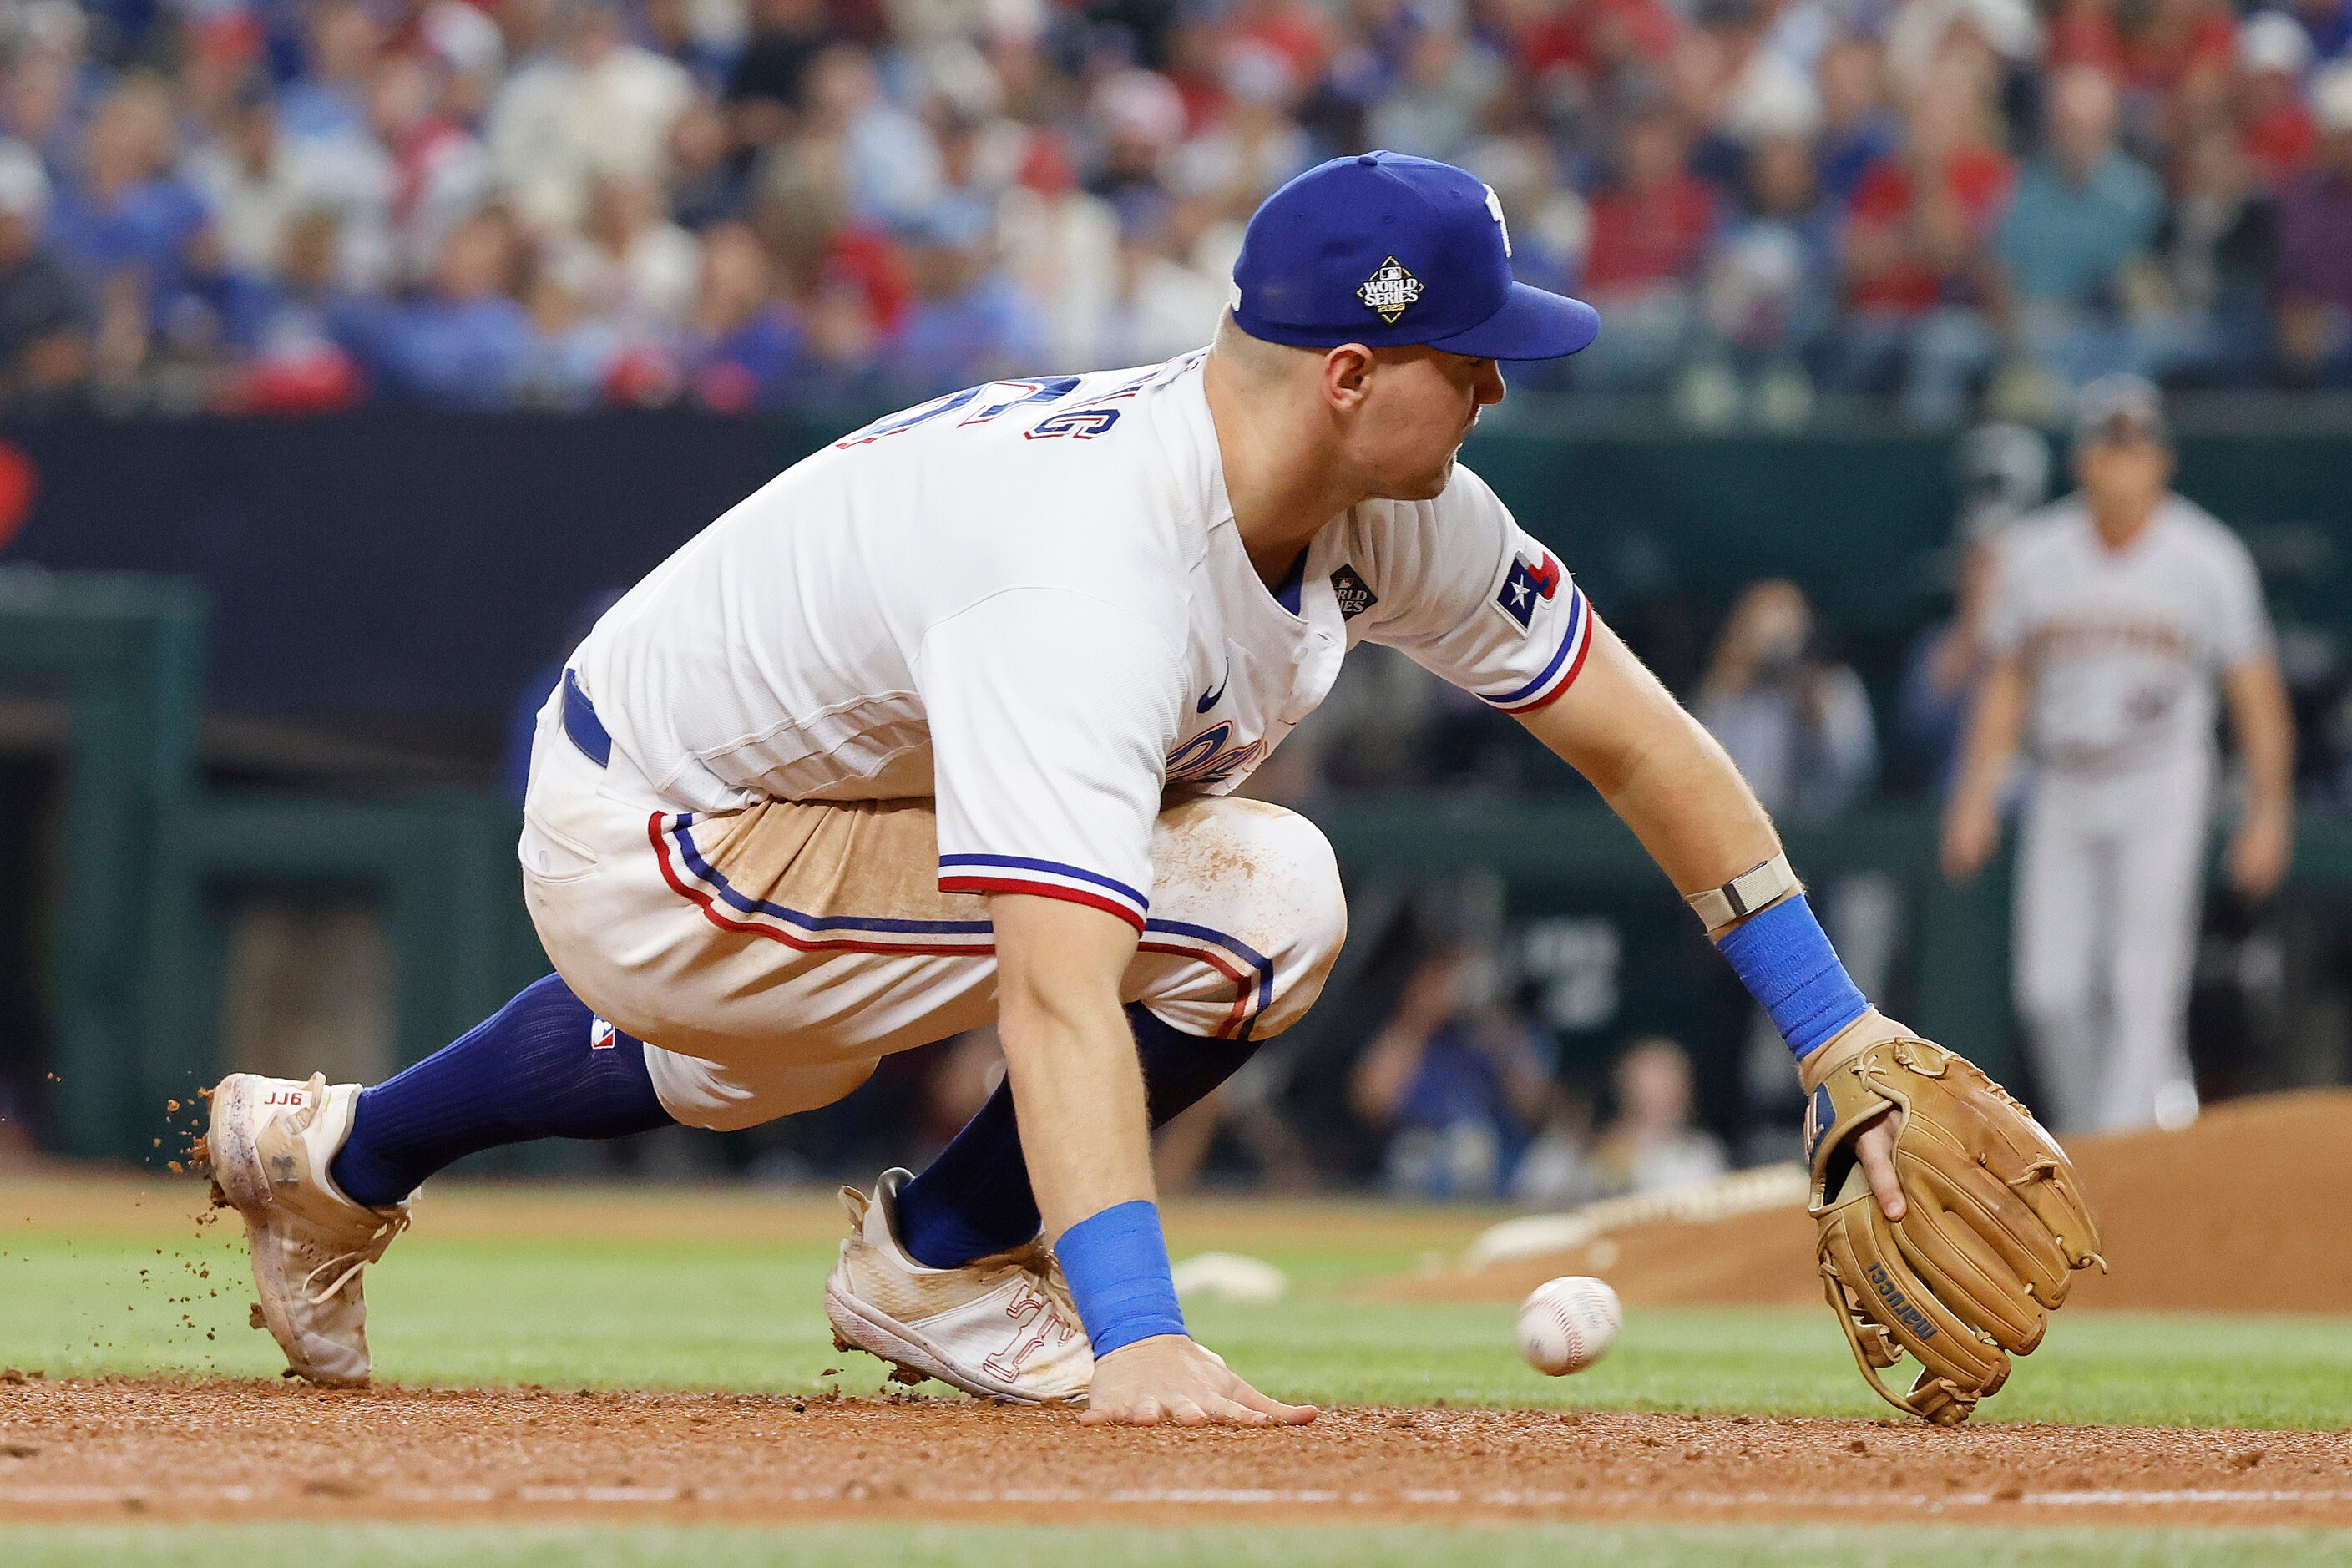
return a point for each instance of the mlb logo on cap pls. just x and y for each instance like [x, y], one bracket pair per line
[1389, 290]
[1386, 249]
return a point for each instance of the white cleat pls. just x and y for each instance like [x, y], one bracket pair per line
[1001, 1327]
[270, 1142]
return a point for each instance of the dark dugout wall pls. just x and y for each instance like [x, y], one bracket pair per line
[394, 562]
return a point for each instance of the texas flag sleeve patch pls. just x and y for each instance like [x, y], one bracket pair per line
[1527, 585]
[1559, 671]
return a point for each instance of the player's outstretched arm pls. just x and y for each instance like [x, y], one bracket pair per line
[1079, 1093]
[1657, 767]
[1680, 793]
[2264, 723]
[1998, 1193]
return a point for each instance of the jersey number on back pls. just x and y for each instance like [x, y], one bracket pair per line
[1083, 423]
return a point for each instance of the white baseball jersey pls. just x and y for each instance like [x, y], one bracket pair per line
[1029, 599]
[2122, 647]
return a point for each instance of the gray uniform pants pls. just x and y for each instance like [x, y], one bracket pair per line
[2110, 876]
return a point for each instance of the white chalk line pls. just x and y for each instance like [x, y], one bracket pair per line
[1157, 1497]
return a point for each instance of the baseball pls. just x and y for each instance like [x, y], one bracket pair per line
[1566, 1324]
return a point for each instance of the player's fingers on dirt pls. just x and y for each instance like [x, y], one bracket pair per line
[1186, 1412]
[1227, 1409]
[1143, 1411]
[1272, 1409]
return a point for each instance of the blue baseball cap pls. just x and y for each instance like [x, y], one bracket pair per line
[1386, 249]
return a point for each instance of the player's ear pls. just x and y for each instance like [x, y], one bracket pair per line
[1346, 368]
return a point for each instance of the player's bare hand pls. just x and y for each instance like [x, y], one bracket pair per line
[1971, 833]
[1168, 1378]
[2260, 853]
[1873, 1146]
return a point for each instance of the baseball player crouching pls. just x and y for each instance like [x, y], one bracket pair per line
[944, 723]
[2113, 616]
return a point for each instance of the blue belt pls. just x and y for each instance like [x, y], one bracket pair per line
[580, 722]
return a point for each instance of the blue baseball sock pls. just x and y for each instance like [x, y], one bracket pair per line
[529, 1071]
[974, 1199]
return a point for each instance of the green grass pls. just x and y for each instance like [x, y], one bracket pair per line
[994, 1546]
[740, 1311]
[601, 1290]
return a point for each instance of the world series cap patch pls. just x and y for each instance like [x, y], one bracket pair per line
[1390, 288]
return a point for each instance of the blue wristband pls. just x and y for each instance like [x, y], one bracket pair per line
[1785, 960]
[1117, 1263]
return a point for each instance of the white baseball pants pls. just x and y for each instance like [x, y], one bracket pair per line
[2110, 878]
[768, 957]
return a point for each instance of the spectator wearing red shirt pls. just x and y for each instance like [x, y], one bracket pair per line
[1918, 269]
[2274, 128]
[2172, 56]
[1292, 28]
[1588, 40]
[1651, 225]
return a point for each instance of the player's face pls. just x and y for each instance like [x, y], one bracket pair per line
[1419, 406]
[2129, 470]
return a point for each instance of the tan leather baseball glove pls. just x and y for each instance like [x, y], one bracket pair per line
[1995, 1223]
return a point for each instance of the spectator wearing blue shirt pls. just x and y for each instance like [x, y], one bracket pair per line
[294, 361]
[1456, 1082]
[841, 364]
[2086, 214]
[2329, 24]
[574, 354]
[1857, 129]
[126, 216]
[466, 343]
[329, 100]
[740, 343]
[969, 322]
[889, 162]
[213, 310]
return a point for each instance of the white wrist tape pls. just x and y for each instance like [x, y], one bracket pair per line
[1746, 893]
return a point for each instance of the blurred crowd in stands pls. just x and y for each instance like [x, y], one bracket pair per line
[284, 205]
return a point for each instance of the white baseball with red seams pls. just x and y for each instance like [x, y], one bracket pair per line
[1566, 1324]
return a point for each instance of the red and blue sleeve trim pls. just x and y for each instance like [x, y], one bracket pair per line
[1567, 660]
[1043, 879]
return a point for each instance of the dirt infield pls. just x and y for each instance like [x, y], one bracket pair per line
[2200, 1220]
[117, 1449]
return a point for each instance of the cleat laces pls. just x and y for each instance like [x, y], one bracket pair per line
[352, 1262]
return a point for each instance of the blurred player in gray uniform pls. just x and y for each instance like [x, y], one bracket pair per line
[2114, 615]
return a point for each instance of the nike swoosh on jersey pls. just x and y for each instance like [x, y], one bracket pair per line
[1209, 699]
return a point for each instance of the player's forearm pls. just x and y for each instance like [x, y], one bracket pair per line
[1993, 733]
[1684, 799]
[1658, 768]
[1677, 788]
[1077, 1091]
[1070, 1057]
[1075, 1080]
[2264, 726]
